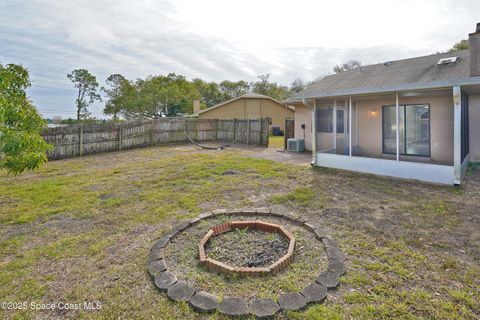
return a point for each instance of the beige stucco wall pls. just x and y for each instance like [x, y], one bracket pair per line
[303, 115]
[248, 108]
[441, 126]
[474, 126]
[370, 126]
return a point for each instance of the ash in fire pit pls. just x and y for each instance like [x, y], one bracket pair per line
[247, 247]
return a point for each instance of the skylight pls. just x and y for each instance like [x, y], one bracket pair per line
[447, 60]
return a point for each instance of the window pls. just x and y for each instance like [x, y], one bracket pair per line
[340, 120]
[325, 120]
[414, 130]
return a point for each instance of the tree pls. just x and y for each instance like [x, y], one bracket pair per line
[233, 89]
[69, 121]
[21, 145]
[462, 45]
[157, 96]
[87, 86]
[271, 89]
[350, 65]
[209, 92]
[297, 86]
[114, 103]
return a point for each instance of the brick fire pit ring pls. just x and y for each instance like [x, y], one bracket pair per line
[218, 266]
[314, 292]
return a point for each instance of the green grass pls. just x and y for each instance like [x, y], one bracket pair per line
[276, 142]
[80, 230]
[300, 196]
[472, 167]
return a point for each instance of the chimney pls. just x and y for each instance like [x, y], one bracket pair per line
[196, 106]
[474, 47]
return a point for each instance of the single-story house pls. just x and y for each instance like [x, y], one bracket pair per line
[417, 118]
[250, 106]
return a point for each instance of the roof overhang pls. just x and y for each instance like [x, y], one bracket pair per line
[473, 81]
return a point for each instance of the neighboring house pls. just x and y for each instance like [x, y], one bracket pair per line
[250, 106]
[416, 118]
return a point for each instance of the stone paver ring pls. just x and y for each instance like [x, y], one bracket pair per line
[201, 301]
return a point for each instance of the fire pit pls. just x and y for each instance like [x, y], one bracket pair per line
[270, 248]
[173, 264]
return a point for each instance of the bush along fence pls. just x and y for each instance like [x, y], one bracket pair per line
[78, 140]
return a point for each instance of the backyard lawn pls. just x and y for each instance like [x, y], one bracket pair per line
[80, 230]
[276, 142]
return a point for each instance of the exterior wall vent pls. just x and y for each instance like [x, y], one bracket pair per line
[447, 60]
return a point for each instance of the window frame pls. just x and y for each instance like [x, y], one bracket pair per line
[405, 126]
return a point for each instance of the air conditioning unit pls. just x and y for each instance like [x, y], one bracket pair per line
[295, 145]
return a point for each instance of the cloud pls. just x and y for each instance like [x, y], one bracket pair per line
[216, 40]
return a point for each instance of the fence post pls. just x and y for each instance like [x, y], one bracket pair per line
[248, 131]
[267, 132]
[234, 127]
[120, 133]
[151, 133]
[260, 132]
[216, 129]
[80, 140]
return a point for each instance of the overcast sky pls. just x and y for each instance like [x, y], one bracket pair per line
[216, 39]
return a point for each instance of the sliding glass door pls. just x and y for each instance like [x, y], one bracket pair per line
[390, 129]
[414, 130]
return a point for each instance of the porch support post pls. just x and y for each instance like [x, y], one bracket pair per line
[350, 126]
[314, 133]
[457, 135]
[397, 117]
[334, 137]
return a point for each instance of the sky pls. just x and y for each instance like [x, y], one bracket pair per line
[216, 40]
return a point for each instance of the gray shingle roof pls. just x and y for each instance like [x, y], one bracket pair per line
[419, 72]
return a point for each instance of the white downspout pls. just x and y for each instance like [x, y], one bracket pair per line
[314, 129]
[334, 126]
[350, 126]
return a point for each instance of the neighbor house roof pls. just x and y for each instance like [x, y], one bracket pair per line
[245, 96]
[414, 73]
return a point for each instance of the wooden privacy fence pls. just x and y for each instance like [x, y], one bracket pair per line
[78, 140]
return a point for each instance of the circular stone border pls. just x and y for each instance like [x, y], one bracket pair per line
[275, 267]
[314, 292]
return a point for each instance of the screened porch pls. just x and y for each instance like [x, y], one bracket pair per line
[403, 134]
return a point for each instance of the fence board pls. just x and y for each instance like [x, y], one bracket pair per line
[72, 141]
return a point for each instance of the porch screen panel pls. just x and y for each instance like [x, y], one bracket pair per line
[325, 120]
[390, 129]
[417, 130]
[340, 121]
